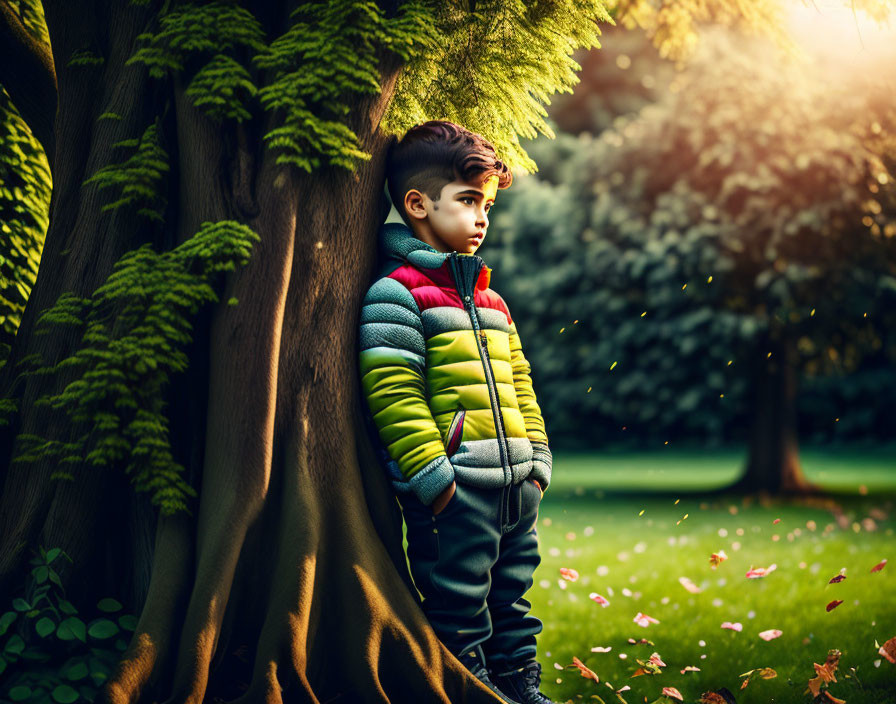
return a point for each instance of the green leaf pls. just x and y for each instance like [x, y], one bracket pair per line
[72, 628]
[64, 694]
[76, 671]
[67, 607]
[14, 645]
[40, 574]
[108, 605]
[103, 628]
[45, 627]
[20, 693]
[128, 622]
[20, 604]
[53, 554]
[6, 620]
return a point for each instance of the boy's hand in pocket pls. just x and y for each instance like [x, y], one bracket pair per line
[443, 498]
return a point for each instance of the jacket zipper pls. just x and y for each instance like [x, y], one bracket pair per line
[481, 342]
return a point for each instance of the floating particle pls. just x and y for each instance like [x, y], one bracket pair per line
[721, 395]
[644, 313]
[812, 312]
[613, 365]
[562, 329]
[767, 356]
[730, 362]
[574, 322]
[589, 390]
[684, 287]
[642, 512]
[666, 443]
[709, 280]
[776, 521]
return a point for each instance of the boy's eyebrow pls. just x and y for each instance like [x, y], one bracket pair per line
[472, 192]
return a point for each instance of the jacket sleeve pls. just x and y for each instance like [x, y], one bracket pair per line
[542, 460]
[393, 381]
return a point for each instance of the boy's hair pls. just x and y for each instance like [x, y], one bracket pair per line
[437, 152]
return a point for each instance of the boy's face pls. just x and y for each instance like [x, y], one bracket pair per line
[458, 221]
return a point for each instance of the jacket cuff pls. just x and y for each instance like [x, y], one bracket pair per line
[542, 462]
[432, 480]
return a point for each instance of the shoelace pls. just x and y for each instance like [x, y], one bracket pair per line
[532, 676]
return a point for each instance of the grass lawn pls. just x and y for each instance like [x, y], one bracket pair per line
[635, 561]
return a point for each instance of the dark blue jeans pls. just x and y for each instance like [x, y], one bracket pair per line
[472, 563]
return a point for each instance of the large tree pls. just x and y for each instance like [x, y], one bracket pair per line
[190, 430]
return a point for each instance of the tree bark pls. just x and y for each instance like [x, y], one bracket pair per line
[28, 74]
[289, 582]
[773, 463]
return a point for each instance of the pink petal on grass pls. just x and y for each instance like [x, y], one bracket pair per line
[756, 572]
[737, 626]
[569, 574]
[770, 634]
[674, 693]
[594, 596]
[601, 649]
[690, 668]
[644, 620]
[776, 521]
[656, 660]
[689, 585]
[879, 566]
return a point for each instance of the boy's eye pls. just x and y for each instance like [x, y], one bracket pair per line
[467, 198]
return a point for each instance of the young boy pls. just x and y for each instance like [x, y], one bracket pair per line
[450, 395]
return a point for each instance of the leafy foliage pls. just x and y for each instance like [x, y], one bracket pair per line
[135, 328]
[775, 193]
[69, 658]
[138, 178]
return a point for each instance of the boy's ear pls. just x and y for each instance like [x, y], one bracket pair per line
[413, 204]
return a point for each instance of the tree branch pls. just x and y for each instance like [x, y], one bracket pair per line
[28, 74]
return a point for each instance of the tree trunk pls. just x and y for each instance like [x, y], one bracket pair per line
[773, 464]
[289, 581]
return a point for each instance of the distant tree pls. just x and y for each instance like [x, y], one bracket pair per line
[775, 183]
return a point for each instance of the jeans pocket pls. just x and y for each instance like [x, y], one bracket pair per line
[452, 502]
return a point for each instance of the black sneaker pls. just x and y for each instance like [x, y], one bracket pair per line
[474, 661]
[522, 684]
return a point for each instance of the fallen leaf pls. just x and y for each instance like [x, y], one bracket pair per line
[644, 620]
[770, 634]
[833, 605]
[776, 521]
[888, 650]
[824, 673]
[765, 673]
[838, 578]
[569, 574]
[674, 693]
[717, 558]
[755, 573]
[600, 649]
[655, 659]
[689, 585]
[720, 696]
[640, 641]
[690, 668]
[594, 596]
[879, 566]
[737, 626]
[584, 670]
[828, 698]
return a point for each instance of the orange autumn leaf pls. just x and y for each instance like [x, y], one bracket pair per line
[824, 674]
[879, 566]
[717, 558]
[888, 650]
[584, 670]
[833, 605]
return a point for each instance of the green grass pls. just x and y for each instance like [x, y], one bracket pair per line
[841, 470]
[603, 537]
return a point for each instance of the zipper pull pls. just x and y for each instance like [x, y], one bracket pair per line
[484, 338]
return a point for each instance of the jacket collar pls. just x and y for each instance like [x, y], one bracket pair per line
[465, 272]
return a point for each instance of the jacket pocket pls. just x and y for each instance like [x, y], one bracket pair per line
[455, 431]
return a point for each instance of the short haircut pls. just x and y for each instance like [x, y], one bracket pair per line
[437, 152]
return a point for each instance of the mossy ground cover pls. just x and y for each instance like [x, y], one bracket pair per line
[635, 560]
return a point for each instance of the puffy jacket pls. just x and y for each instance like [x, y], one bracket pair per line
[443, 373]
